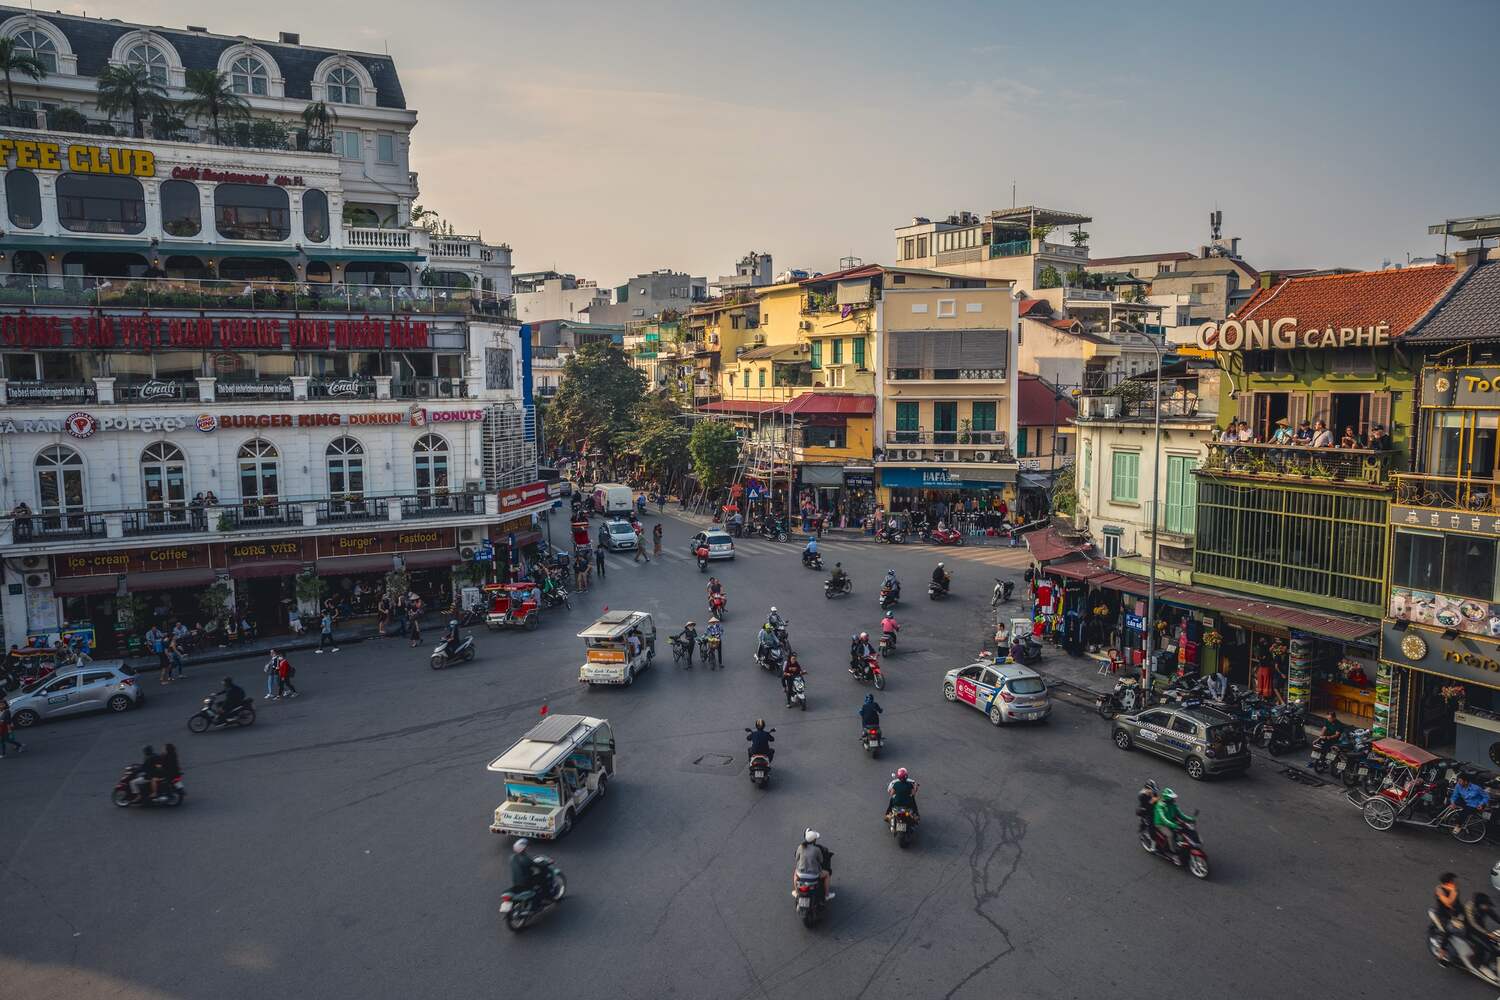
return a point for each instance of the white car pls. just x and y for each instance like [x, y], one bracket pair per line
[1006, 692]
[101, 685]
[620, 536]
[720, 544]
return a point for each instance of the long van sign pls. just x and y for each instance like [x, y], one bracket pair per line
[1285, 335]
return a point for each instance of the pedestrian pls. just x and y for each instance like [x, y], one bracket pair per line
[326, 636]
[174, 654]
[284, 674]
[640, 544]
[6, 739]
[599, 561]
[383, 614]
[272, 693]
[414, 621]
[656, 540]
[156, 641]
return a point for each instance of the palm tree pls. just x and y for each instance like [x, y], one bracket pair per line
[14, 60]
[318, 117]
[211, 96]
[130, 88]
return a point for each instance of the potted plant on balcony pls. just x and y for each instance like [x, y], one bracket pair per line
[965, 432]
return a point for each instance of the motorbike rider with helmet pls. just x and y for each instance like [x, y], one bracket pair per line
[813, 860]
[892, 584]
[838, 579]
[760, 741]
[452, 637]
[1167, 818]
[903, 794]
[941, 578]
[790, 673]
[1480, 926]
[228, 699]
[889, 627]
[770, 644]
[869, 714]
[1145, 802]
[526, 873]
[776, 621]
[859, 652]
[810, 552]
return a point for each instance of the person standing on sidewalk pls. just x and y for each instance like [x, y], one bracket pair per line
[599, 561]
[656, 540]
[175, 657]
[6, 739]
[284, 674]
[414, 621]
[383, 614]
[326, 636]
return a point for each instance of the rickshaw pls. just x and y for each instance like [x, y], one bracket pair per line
[512, 605]
[581, 537]
[1412, 793]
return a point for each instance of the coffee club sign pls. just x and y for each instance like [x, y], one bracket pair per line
[148, 333]
[1286, 334]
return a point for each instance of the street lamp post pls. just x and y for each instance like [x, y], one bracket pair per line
[1155, 520]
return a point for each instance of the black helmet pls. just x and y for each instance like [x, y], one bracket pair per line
[228, 680]
[150, 751]
[760, 723]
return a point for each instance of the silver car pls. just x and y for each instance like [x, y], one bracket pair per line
[621, 535]
[107, 684]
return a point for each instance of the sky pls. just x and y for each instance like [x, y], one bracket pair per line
[605, 139]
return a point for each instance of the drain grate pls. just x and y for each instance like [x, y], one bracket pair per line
[712, 762]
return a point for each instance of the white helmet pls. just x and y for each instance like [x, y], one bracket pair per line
[520, 845]
[1495, 875]
[810, 837]
[773, 609]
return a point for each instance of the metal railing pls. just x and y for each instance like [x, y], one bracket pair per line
[259, 133]
[1012, 248]
[165, 520]
[983, 439]
[996, 374]
[45, 527]
[1450, 493]
[441, 505]
[1360, 465]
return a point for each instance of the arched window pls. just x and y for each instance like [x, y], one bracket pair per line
[154, 59]
[23, 199]
[430, 455]
[94, 203]
[181, 208]
[59, 481]
[346, 477]
[343, 85]
[260, 478]
[315, 216]
[164, 483]
[39, 46]
[252, 212]
[248, 75]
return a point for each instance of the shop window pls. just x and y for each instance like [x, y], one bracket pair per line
[836, 351]
[181, 209]
[377, 274]
[18, 367]
[346, 476]
[445, 279]
[983, 417]
[319, 273]
[100, 203]
[59, 480]
[103, 265]
[248, 75]
[39, 46]
[343, 86]
[73, 366]
[186, 267]
[816, 356]
[1469, 566]
[28, 262]
[164, 483]
[760, 376]
[260, 478]
[369, 215]
[1125, 477]
[430, 455]
[315, 216]
[349, 146]
[825, 437]
[252, 212]
[255, 269]
[23, 199]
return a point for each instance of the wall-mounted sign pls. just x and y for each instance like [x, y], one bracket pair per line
[231, 389]
[517, 497]
[347, 387]
[412, 540]
[27, 154]
[148, 333]
[160, 390]
[82, 424]
[227, 554]
[117, 561]
[449, 416]
[1422, 517]
[1461, 387]
[1468, 658]
[1284, 335]
[17, 392]
[233, 177]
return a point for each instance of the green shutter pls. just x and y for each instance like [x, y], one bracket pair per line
[762, 376]
[838, 350]
[817, 354]
[1088, 466]
[859, 352]
[1125, 477]
[906, 416]
[1021, 444]
[1182, 492]
[983, 417]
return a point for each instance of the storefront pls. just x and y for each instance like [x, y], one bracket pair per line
[110, 592]
[263, 574]
[356, 565]
[1445, 689]
[935, 491]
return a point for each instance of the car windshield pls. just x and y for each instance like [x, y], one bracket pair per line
[621, 529]
[1027, 685]
[35, 686]
[720, 540]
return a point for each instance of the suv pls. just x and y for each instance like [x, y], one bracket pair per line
[109, 684]
[1204, 741]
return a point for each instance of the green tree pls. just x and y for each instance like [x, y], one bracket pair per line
[662, 445]
[13, 61]
[130, 89]
[210, 96]
[1079, 237]
[714, 449]
[1048, 277]
[1065, 492]
[318, 117]
[597, 397]
[429, 219]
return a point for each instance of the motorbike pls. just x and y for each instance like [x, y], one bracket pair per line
[702, 553]
[813, 560]
[781, 635]
[771, 658]
[1001, 595]
[891, 535]
[1347, 755]
[1126, 699]
[442, 655]
[888, 598]
[902, 821]
[871, 672]
[1326, 751]
[550, 599]
[946, 536]
[871, 740]
[799, 690]
[682, 649]
[206, 717]
[1454, 950]
[1188, 847]
[1282, 730]
[520, 908]
[936, 590]
[810, 900]
[170, 794]
[887, 643]
[773, 530]
[1031, 651]
[1370, 771]
[711, 651]
[832, 589]
[718, 606]
[760, 767]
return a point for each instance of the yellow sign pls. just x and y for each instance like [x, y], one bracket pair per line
[606, 656]
[27, 154]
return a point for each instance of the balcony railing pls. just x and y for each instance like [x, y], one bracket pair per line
[983, 439]
[46, 527]
[1012, 248]
[1451, 493]
[1357, 465]
[247, 296]
[260, 133]
[996, 374]
[381, 239]
[441, 504]
[1113, 406]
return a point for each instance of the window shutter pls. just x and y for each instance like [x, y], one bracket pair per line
[859, 352]
[1296, 409]
[1322, 403]
[1380, 411]
[817, 354]
[1246, 404]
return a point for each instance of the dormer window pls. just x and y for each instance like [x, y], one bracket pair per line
[39, 46]
[248, 75]
[343, 86]
[152, 58]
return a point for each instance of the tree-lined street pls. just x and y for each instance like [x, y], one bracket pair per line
[340, 847]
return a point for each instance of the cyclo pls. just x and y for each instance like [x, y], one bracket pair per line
[1413, 793]
[512, 605]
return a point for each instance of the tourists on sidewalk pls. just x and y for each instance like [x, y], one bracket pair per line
[270, 671]
[414, 621]
[326, 636]
[599, 561]
[284, 674]
[175, 657]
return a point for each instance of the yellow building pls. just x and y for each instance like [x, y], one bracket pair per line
[718, 332]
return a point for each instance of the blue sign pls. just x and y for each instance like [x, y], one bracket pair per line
[484, 553]
[1136, 622]
[940, 479]
[753, 493]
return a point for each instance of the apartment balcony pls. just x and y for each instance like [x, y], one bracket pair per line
[997, 374]
[1179, 406]
[1024, 248]
[1451, 494]
[256, 133]
[982, 439]
[373, 238]
[1353, 466]
[935, 449]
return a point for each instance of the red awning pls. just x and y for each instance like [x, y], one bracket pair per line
[73, 586]
[170, 579]
[269, 567]
[428, 560]
[1081, 569]
[335, 565]
[829, 404]
[1046, 545]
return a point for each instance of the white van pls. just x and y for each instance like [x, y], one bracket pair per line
[613, 498]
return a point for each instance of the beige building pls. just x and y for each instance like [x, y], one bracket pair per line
[1065, 353]
[1015, 244]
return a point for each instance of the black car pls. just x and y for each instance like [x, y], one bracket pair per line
[1204, 741]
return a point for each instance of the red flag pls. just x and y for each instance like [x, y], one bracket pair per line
[544, 709]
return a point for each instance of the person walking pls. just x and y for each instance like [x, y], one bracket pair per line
[156, 641]
[414, 621]
[272, 690]
[599, 561]
[640, 543]
[383, 614]
[174, 655]
[6, 739]
[284, 674]
[656, 540]
[325, 638]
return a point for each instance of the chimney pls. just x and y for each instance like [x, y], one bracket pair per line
[1266, 279]
[290, 38]
[1234, 246]
[1470, 257]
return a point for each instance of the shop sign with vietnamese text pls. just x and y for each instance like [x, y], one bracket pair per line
[1285, 334]
[25, 331]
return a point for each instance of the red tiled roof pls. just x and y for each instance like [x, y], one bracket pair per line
[826, 403]
[1364, 298]
[737, 406]
[1064, 324]
[863, 271]
[1040, 306]
[1037, 404]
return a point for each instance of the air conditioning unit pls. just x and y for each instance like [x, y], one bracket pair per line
[759, 338]
[424, 389]
[448, 388]
[914, 455]
[36, 581]
[981, 456]
[470, 536]
[33, 562]
[952, 455]
[805, 325]
[473, 485]
[466, 553]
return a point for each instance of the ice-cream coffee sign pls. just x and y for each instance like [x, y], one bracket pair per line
[1286, 334]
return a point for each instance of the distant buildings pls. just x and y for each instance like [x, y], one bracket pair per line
[647, 296]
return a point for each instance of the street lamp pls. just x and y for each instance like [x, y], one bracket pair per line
[1156, 473]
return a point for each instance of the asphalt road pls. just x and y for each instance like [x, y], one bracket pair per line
[340, 847]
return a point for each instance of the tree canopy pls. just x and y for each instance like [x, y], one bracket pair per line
[597, 397]
[714, 448]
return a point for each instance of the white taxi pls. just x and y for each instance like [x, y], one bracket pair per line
[1006, 692]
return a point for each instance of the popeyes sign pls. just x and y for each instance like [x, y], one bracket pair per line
[1285, 334]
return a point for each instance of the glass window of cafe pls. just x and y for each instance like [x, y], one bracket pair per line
[181, 209]
[100, 203]
[71, 366]
[315, 216]
[252, 212]
[1463, 443]
[1461, 565]
[345, 364]
[23, 199]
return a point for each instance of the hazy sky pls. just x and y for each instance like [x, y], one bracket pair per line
[609, 138]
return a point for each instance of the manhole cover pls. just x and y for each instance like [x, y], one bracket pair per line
[712, 762]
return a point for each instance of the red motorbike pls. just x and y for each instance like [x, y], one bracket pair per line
[702, 553]
[871, 672]
[947, 536]
[716, 606]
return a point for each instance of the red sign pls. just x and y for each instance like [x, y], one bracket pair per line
[118, 561]
[284, 550]
[411, 540]
[233, 177]
[148, 333]
[517, 497]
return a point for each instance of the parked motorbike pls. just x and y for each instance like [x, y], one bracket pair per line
[682, 649]
[1326, 751]
[1283, 730]
[711, 651]
[902, 822]
[810, 900]
[1370, 772]
[888, 598]
[1188, 850]
[208, 718]
[870, 672]
[462, 653]
[1002, 592]
[1031, 651]
[871, 740]
[832, 589]
[946, 536]
[774, 530]
[890, 534]
[520, 908]
[799, 691]
[1347, 755]
[887, 642]
[1454, 950]
[936, 590]
[171, 793]
[813, 560]
[1127, 698]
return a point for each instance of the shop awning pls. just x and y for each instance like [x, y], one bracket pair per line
[170, 579]
[390, 255]
[1047, 545]
[429, 560]
[336, 565]
[223, 250]
[64, 244]
[271, 567]
[822, 475]
[74, 586]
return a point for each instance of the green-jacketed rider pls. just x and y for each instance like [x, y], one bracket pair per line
[1168, 819]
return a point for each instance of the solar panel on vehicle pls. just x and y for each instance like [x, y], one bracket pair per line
[554, 728]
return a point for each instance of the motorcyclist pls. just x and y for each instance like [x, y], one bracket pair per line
[869, 714]
[714, 586]
[690, 634]
[452, 637]
[941, 578]
[1480, 920]
[1145, 802]
[228, 698]
[1167, 819]
[150, 763]
[775, 620]
[891, 584]
[889, 627]
[526, 873]
[760, 741]
[860, 651]
[813, 860]
[838, 579]
[903, 792]
[1446, 905]
[770, 645]
[810, 553]
[790, 672]
[714, 650]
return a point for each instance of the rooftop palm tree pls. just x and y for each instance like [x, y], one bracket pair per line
[211, 96]
[130, 88]
[14, 60]
[319, 117]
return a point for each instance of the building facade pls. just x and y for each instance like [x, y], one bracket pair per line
[648, 296]
[1008, 244]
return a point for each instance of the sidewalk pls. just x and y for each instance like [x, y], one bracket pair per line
[260, 648]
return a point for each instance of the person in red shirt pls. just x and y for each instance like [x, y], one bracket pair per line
[284, 674]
